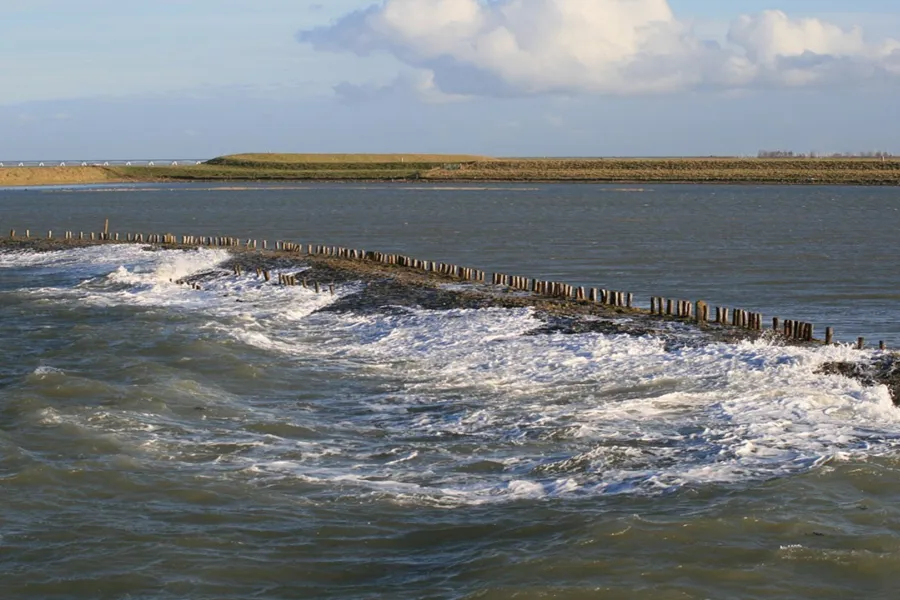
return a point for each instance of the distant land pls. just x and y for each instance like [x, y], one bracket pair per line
[471, 168]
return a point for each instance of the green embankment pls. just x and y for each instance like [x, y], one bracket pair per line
[314, 167]
[449, 168]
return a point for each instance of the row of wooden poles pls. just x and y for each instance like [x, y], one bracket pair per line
[285, 279]
[698, 311]
[556, 289]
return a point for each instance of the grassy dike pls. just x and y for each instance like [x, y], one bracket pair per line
[468, 168]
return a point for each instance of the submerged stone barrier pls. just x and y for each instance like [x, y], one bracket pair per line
[697, 312]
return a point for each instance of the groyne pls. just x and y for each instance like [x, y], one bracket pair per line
[698, 312]
[396, 279]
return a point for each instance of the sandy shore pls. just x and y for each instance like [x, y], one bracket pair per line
[34, 176]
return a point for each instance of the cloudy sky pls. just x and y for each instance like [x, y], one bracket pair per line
[170, 78]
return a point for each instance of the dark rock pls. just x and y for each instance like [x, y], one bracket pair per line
[881, 370]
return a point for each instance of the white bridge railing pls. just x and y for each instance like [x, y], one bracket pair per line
[144, 162]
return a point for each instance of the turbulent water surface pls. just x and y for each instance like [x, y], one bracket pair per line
[238, 441]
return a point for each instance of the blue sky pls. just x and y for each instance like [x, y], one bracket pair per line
[113, 79]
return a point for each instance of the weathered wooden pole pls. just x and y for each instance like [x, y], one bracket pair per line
[860, 343]
[829, 335]
[702, 311]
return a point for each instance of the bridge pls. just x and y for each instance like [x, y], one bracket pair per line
[118, 162]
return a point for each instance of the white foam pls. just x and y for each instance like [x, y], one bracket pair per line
[48, 370]
[127, 275]
[645, 419]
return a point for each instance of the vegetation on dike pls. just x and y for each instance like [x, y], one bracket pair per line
[24, 176]
[450, 168]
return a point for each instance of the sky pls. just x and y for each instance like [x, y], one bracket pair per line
[106, 79]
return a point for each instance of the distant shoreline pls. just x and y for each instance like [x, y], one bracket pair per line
[474, 169]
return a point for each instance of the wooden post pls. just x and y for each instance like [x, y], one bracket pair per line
[829, 335]
[702, 314]
[881, 346]
[331, 288]
[106, 228]
[860, 343]
[12, 234]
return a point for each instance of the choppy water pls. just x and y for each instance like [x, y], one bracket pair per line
[236, 442]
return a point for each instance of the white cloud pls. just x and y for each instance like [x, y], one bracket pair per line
[528, 47]
[419, 83]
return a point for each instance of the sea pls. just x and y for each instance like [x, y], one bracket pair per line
[242, 441]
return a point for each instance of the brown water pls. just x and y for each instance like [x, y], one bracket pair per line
[159, 442]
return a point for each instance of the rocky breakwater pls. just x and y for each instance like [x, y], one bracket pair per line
[384, 283]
